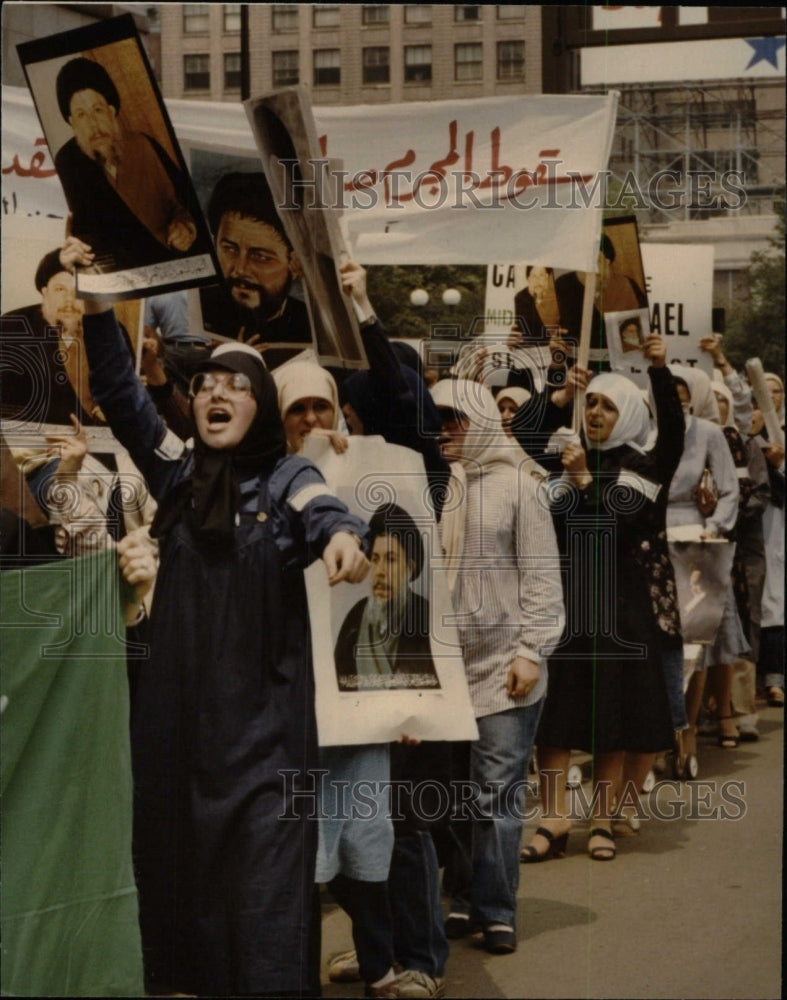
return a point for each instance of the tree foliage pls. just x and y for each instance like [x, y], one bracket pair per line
[756, 327]
[390, 288]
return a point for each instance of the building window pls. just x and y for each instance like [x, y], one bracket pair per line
[232, 71]
[376, 65]
[468, 61]
[327, 69]
[417, 63]
[467, 12]
[231, 18]
[376, 13]
[285, 69]
[285, 17]
[326, 15]
[510, 12]
[196, 72]
[196, 18]
[417, 13]
[511, 60]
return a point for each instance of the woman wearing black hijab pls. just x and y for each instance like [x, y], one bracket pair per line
[223, 727]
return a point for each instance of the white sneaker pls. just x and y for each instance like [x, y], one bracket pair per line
[343, 968]
[414, 983]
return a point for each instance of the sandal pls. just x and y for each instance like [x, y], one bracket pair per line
[556, 847]
[602, 852]
[776, 697]
[727, 741]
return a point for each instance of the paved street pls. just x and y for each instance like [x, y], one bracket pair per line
[690, 908]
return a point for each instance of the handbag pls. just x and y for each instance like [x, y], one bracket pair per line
[706, 494]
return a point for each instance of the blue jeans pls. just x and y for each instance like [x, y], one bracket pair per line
[499, 766]
[419, 939]
[367, 905]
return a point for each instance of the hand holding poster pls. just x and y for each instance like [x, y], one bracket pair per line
[117, 158]
[385, 661]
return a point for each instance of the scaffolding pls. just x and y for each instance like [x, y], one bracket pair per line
[713, 127]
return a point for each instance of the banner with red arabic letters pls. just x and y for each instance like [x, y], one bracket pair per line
[439, 182]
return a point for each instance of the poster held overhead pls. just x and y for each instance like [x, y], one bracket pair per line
[261, 299]
[124, 178]
[303, 192]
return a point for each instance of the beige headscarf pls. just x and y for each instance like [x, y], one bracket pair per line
[304, 380]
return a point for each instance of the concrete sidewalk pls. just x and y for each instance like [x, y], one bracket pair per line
[691, 907]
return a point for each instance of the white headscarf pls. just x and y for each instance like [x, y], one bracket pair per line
[633, 423]
[515, 393]
[720, 389]
[305, 380]
[703, 402]
[485, 443]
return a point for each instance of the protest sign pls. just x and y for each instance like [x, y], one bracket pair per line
[702, 577]
[548, 149]
[304, 192]
[386, 658]
[117, 158]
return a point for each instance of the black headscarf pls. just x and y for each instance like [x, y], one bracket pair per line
[384, 418]
[210, 497]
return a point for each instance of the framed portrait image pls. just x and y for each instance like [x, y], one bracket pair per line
[386, 652]
[302, 185]
[626, 333]
[128, 191]
[261, 297]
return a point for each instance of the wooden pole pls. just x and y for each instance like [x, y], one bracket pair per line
[583, 348]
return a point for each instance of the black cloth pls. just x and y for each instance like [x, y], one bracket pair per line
[413, 655]
[219, 871]
[102, 218]
[526, 310]
[393, 401]
[223, 732]
[222, 315]
[607, 690]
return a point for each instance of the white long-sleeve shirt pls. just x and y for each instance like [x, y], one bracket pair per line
[508, 598]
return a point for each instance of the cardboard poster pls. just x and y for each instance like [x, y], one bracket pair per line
[386, 653]
[261, 297]
[114, 149]
[702, 576]
[303, 192]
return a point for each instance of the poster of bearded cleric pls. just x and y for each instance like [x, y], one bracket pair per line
[128, 191]
[386, 653]
[261, 298]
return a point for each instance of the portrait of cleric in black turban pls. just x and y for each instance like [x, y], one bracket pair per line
[117, 181]
[128, 191]
[384, 640]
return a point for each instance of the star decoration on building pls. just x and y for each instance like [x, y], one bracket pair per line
[766, 49]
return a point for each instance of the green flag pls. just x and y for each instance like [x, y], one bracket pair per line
[69, 906]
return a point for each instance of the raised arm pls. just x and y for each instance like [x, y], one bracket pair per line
[670, 421]
[130, 412]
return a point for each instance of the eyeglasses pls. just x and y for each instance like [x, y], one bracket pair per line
[235, 384]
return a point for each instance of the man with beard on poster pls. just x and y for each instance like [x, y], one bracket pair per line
[259, 267]
[45, 377]
[125, 193]
[384, 640]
